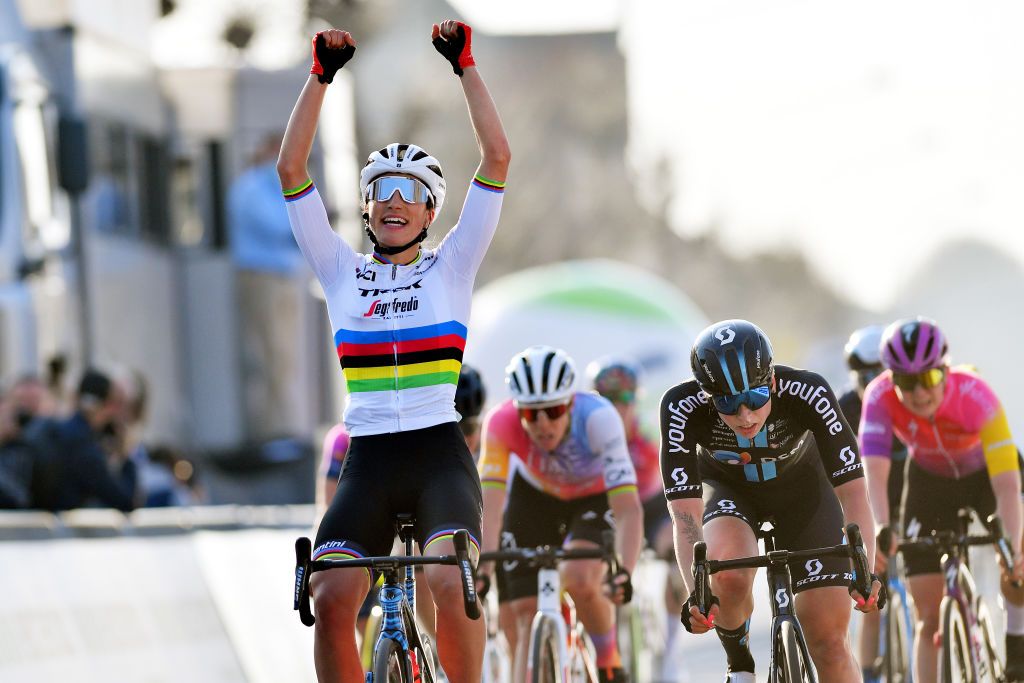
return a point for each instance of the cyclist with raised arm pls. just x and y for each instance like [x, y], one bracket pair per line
[399, 318]
[865, 363]
[748, 440]
[961, 454]
[556, 471]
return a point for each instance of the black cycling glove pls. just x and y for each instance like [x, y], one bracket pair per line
[327, 60]
[684, 614]
[458, 50]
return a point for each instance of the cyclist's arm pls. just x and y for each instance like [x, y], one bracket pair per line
[606, 432]
[875, 437]
[322, 248]
[687, 529]
[1001, 459]
[1006, 486]
[629, 525]
[495, 153]
[681, 475]
[876, 471]
[853, 496]
[494, 470]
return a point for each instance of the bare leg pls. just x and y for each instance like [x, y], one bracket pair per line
[824, 614]
[337, 595]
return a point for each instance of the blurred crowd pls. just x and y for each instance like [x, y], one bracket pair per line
[85, 449]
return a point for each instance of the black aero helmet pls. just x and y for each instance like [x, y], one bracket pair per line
[731, 356]
[470, 395]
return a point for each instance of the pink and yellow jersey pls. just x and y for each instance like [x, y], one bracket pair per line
[591, 459]
[334, 450]
[968, 432]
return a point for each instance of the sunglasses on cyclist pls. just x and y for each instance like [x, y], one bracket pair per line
[553, 412]
[754, 398]
[411, 190]
[929, 379]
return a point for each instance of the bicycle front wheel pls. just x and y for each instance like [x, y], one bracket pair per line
[897, 642]
[544, 664]
[390, 663]
[991, 668]
[791, 662]
[955, 661]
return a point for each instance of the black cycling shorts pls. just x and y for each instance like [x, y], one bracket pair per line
[534, 518]
[428, 473]
[931, 502]
[807, 515]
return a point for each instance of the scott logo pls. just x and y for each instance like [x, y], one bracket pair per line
[726, 505]
[813, 567]
[679, 476]
[847, 455]
[782, 598]
[724, 335]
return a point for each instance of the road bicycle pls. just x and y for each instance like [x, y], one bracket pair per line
[969, 652]
[642, 628]
[790, 659]
[560, 651]
[401, 654]
[497, 657]
[897, 623]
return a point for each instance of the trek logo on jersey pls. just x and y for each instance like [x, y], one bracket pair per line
[849, 457]
[365, 273]
[396, 308]
[365, 293]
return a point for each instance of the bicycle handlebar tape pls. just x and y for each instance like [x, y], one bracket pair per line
[700, 577]
[328, 60]
[861, 571]
[303, 549]
[461, 540]
[1003, 547]
[458, 50]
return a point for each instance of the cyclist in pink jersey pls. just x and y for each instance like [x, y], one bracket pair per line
[556, 471]
[961, 455]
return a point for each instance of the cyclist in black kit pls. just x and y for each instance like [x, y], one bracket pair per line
[756, 441]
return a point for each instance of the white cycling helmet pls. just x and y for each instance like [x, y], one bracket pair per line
[541, 375]
[409, 159]
[863, 348]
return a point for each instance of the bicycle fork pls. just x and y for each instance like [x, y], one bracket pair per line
[549, 606]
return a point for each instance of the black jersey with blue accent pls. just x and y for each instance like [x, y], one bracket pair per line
[804, 428]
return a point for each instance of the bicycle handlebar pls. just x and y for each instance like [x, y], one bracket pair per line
[304, 567]
[703, 568]
[946, 539]
[547, 556]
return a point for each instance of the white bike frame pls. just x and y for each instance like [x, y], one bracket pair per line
[549, 604]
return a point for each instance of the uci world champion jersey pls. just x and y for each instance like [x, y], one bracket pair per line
[399, 329]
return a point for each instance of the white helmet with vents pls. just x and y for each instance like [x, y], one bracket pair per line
[541, 375]
[399, 158]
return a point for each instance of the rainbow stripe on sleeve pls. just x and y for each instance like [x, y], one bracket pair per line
[401, 359]
[299, 192]
[488, 184]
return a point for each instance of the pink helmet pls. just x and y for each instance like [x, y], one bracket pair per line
[912, 345]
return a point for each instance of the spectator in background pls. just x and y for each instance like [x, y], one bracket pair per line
[26, 400]
[266, 257]
[72, 468]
